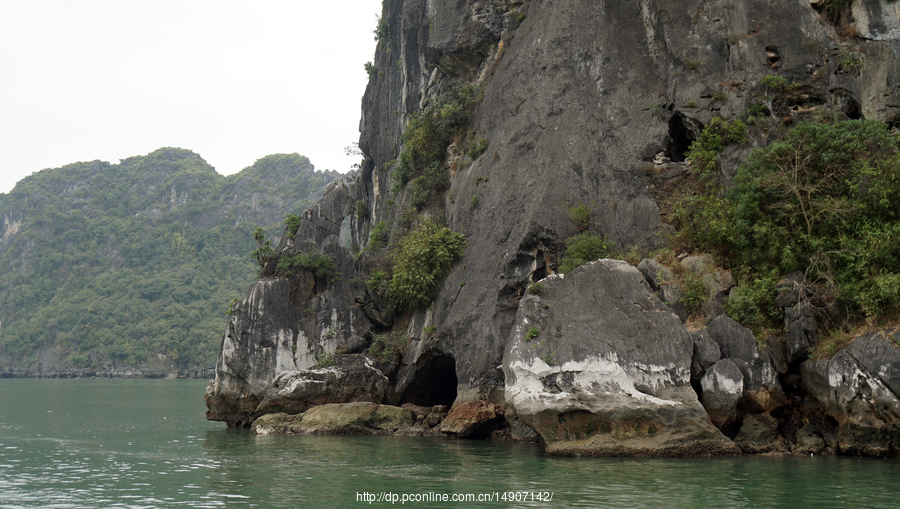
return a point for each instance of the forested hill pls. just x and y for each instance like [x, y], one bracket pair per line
[130, 268]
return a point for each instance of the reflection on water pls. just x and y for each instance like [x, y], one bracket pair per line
[145, 443]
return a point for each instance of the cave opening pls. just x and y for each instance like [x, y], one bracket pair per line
[773, 55]
[434, 384]
[853, 110]
[681, 135]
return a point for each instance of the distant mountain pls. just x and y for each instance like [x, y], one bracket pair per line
[129, 268]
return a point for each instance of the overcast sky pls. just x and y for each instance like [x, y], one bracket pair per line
[233, 80]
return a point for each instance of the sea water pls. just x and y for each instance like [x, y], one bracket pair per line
[89, 443]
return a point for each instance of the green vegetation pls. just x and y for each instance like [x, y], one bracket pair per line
[118, 264]
[549, 358]
[535, 288]
[704, 152]
[264, 251]
[421, 261]
[581, 216]
[362, 210]
[532, 334]
[821, 200]
[292, 224]
[388, 347]
[584, 248]
[849, 62]
[325, 360]
[313, 262]
[587, 245]
[694, 292]
[381, 28]
[477, 147]
[516, 17]
[778, 83]
[427, 136]
[379, 238]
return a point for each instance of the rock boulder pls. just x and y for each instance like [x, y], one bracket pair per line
[597, 365]
[860, 389]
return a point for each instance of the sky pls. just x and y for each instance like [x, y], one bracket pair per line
[232, 80]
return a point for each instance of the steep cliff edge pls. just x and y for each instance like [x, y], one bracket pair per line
[578, 102]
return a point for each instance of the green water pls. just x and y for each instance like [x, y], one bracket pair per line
[145, 443]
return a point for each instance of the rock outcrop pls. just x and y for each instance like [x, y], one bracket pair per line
[338, 419]
[597, 365]
[592, 103]
[859, 388]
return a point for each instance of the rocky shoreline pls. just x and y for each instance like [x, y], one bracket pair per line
[572, 106]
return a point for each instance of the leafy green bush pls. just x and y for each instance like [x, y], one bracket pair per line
[386, 347]
[752, 302]
[428, 133]
[822, 200]
[362, 210]
[581, 216]
[532, 334]
[434, 181]
[535, 288]
[292, 224]
[379, 281]
[694, 292]
[778, 83]
[422, 259]
[703, 153]
[379, 238]
[477, 147]
[325, 360]
[317, 264]
[582, 249]
[264, 251]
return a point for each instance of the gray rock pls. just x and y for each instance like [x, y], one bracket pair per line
[284, 323]
[737, 343]
[858, 388]
[809, 441]
[723, 386]
[706, 353]
[791, 290]
[800, 323]
[564, 125]
[655, 272]
[337, 419]
[605, 368]
[350, 378]
[876, 20]
[759, 435]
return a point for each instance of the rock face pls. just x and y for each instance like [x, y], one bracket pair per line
[860, 389]
[583, 102]
[597, 365]
[350, 378]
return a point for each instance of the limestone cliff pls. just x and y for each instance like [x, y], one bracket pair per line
[584, 102]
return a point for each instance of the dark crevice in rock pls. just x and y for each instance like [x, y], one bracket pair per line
[853, 110]
[435, 383]
[773, 55]
[682, 132]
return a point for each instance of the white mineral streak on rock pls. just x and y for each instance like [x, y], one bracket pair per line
[284, 354]
[723, 384]
[596, 383]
